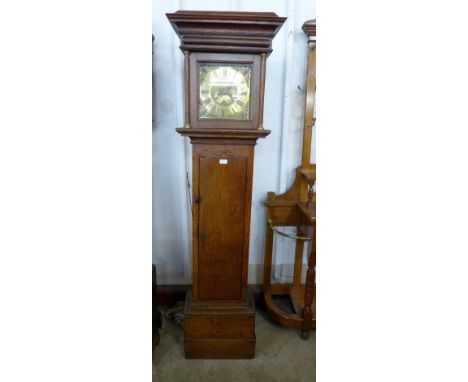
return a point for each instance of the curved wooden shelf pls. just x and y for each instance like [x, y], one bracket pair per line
[291, 320]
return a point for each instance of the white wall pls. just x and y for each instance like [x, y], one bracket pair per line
[276, 156]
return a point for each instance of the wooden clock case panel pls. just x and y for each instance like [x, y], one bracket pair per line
[221, 256]
[219, 311]
[196, 59]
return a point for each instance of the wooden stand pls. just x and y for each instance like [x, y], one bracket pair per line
[296, 207]
[225, 59]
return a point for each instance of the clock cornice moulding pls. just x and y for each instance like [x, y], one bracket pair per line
[310, 29]
[230, 32]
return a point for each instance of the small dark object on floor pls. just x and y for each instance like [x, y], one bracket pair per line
[176, 313]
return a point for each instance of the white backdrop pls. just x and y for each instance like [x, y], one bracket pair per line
[276, 156]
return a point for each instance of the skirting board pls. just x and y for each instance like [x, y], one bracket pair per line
[170, 294]
[166, 276]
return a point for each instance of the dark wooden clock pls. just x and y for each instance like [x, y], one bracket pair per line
[224, 75]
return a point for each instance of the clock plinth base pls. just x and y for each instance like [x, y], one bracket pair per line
[219, 330]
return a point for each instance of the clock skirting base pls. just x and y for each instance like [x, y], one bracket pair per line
[220, 331]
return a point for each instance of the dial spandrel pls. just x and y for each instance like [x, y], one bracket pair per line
[224, 92]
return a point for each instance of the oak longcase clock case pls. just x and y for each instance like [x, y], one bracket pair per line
[225, 57]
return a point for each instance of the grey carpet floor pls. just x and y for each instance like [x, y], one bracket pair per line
[281, 356]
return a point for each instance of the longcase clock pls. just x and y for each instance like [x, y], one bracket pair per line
[224, 75]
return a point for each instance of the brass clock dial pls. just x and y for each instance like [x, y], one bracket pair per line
[224, 92]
